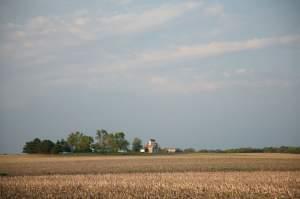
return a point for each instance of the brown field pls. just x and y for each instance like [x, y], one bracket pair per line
[156, 185]
[176, 176]
[15, 165]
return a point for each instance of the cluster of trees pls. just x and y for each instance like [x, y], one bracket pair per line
[105, 142]
[110, 142]
[81, 143]
[282, 149]
[78, 142]
[46, 146]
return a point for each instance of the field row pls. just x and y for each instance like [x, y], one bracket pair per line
[50, 165]
[155, 185]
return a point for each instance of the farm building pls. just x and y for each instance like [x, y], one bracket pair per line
[171, 150]
[151, 146]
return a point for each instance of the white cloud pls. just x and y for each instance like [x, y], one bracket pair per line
[82, 22]
[43, 35]
[214, 10]
[217, 48]
[137, 22]
[227, 74]
[121, 2]
[171, 85]
[39, 41]
[241, 71]
[157, 80]
[237, 72]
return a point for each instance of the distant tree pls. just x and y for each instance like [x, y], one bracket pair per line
[80, 142]
[120, 142]
[244, 150]
[110, 142]
[101, 136]
[291, 149]
[189, 150]
[46, 146]
[57, 148]
[61, 146]
[73, 140]
[65, 146]
[32, 146]
[203, 151]
[85, 143]
[136, 144]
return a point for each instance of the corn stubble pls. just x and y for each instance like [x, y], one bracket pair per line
[258, 184]
[73, 165]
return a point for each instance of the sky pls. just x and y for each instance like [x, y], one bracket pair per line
[189, 73]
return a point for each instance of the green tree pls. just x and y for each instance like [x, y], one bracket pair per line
[65, 146]
[61, 146]
[111, 142]
[189, 150]
[85, 143]
[136, 144]
[46, 146]
[80, 142]
[57, 148]
[101, 136]
[73, 140]
[120, 142]
[32, 146]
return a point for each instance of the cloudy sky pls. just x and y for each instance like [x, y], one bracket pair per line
[190, 73]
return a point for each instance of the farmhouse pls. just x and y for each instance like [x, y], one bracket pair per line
[171, 150]
[142, 150]
[151, 146]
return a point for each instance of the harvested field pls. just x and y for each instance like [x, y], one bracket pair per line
[155, 185]
[50, 165]
[176, 176]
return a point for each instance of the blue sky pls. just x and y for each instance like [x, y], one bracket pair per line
[203, 74]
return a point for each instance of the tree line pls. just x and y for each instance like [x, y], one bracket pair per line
[78, 142]
[281, 149]
[105, 142]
